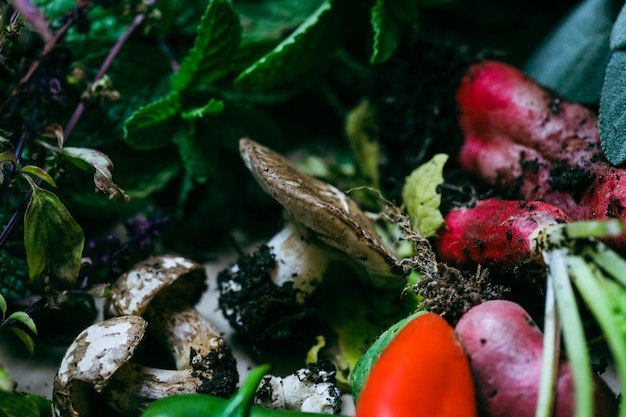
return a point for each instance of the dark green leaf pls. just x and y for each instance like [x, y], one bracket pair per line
[386, 32]
[573, 57]
[212, 108]
[17, 405]
[52, 238]
[153, 125]
[199, 151]
[618, 34]
[303, 54]
[28, 341]
[3, 307]
[271, 19]
[218, 36]
[404, 11]
[612, 118]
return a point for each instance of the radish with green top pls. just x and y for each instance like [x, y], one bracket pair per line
[498, 234]
[520, 136]
[505, 349]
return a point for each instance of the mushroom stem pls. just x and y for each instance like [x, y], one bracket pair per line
[133, 387]
[297, 260]
[181, 329]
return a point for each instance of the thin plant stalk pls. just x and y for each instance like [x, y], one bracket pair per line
[573, 332]
[551, 352]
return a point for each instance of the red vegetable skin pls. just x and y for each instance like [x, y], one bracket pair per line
[423, 371]
[519, 135]
[505, 350]
[498, 234]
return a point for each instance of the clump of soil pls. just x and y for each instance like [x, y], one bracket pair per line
[413, 95]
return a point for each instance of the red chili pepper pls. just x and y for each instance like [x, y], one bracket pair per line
[424, 371]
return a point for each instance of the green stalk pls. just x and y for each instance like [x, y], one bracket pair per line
[573, 333]
[551, 351]
[606, 300]
[607, 260]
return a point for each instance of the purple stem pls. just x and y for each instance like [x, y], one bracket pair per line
[80, 108]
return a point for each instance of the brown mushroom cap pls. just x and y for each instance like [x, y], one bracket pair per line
[92, 359]
[333, 218]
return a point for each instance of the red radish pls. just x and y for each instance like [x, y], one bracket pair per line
[505, 349]
[519, 135]
[498, 234]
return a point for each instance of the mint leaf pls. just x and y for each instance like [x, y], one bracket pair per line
[212, 108]
[612, 117]
[272, 19]
[386, 32]
[301, 54]
[17, 405]
[571, 60]
[153, 125]
[218, 36]
[52, 238]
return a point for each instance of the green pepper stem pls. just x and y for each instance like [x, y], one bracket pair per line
[239, 405]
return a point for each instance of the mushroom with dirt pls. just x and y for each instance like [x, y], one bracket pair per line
[97, 371]
[164, 290]
[264, 294]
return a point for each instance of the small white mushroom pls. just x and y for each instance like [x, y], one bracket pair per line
[97, 370]
[164, 290]
[308, 390]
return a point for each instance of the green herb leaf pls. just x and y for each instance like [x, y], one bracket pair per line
[572, 58]
[17, 405]
[272, 19]
[212, 108]
[8, 156]
[25, 319]
[39, 173]
[52, 238]
[302, 54]
[7, 384]
[612, 118]
[154, 125]
[386, 32]
[28, 341]
[362, 132]
[218, 36]
[3, 307]
[421, 198]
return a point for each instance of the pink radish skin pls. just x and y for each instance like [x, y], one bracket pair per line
[498, 234]
[520, 136]
[505, 349]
